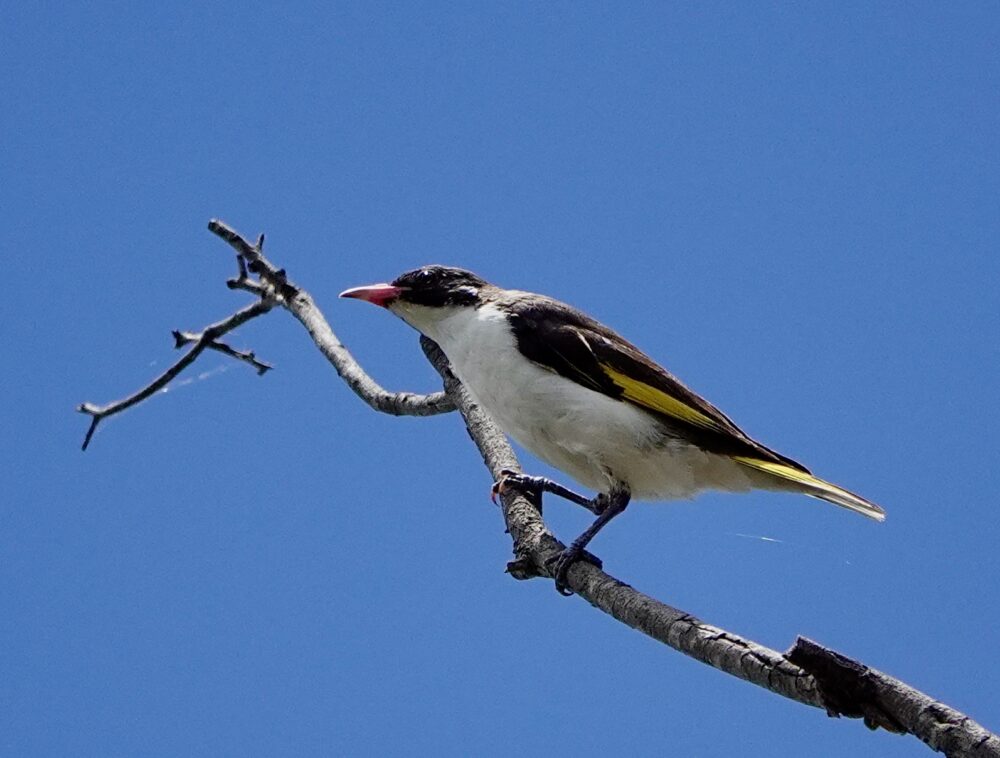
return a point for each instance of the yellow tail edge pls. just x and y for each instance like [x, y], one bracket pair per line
[816, 487]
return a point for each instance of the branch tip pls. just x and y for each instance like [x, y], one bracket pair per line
[95, 420]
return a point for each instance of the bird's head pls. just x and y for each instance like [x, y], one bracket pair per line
[425, 296]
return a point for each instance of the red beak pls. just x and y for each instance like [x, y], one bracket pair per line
[376, 294]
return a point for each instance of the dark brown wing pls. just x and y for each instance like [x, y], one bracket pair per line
[564, 340]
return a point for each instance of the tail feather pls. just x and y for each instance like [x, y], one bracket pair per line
[811, 485]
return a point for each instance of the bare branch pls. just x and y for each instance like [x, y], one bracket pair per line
[852, 689]
[273, 288]
[243, 280]
[204, 340]
[247, 356]
[302, 306]
[804, 675]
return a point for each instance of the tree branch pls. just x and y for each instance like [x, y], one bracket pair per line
[207, 339]
[852, 689]
[809, 673]
[301, 305]
[247, 356]
[272, 288]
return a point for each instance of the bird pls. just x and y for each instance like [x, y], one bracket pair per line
[583, 399]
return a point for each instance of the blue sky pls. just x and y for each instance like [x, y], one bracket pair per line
[792, 206]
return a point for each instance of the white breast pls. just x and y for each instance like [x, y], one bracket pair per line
[593, 438]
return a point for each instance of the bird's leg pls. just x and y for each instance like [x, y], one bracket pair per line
[607, 507]
[536, 485]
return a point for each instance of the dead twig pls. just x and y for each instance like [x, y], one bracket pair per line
[300, 304]
[247, 356]
[206, 339]
[272, 288]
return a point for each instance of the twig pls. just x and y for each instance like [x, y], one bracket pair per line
[273, 288]
[301, 305]
[204, 340]
[247, 356]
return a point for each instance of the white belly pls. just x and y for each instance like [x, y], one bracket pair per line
[593, 438]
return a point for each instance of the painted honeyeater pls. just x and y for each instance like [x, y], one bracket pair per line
[586, 401]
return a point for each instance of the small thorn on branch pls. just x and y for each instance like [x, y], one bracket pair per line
[250, 285]
[182, 338]
[95, 418]
[243, 280]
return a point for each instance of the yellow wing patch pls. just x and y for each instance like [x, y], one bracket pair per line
[781, 470]
[657, 400]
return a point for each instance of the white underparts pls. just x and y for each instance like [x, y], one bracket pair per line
[593, 438]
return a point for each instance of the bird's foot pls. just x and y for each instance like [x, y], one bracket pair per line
[533, 486]
[601, 502]
[561, 563]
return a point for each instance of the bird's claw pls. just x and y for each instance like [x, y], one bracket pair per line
[512, 479]
[565, 559]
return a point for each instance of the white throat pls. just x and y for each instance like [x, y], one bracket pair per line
[442, 324]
